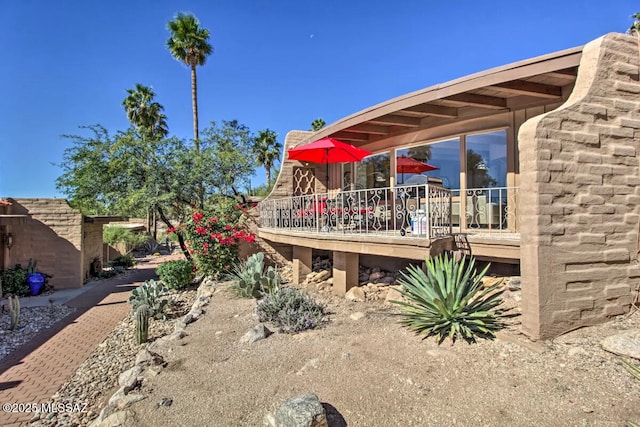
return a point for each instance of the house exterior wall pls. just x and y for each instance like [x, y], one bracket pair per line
[92, 246]
[52, 236]
[580, 196]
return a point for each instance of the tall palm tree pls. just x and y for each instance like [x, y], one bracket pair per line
[267, 150]
[145, 114]
[189, 44]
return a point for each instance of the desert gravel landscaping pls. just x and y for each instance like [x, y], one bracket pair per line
[376, 373]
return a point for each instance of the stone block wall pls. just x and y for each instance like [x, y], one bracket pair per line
[580, 196]
[52, 236]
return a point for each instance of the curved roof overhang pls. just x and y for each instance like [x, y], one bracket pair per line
[538, 81]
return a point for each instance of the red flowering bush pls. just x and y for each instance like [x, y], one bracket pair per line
[213, 238]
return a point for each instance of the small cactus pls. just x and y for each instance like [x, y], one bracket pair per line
[142, 324]
[14, 311]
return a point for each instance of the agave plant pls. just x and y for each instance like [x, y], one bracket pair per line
[449, 300]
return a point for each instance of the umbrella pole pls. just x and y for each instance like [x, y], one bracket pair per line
[327, 176]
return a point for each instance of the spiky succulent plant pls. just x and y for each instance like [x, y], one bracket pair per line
[449, 300]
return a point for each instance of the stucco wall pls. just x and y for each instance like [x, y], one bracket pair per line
[92, 245]
[580, 196]
[52, 236]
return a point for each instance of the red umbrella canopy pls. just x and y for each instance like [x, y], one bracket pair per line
[328, 150]
[406, 164]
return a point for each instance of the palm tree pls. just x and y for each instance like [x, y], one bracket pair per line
[189, 44]
[317, 124]
[145, 114]
[267, 150]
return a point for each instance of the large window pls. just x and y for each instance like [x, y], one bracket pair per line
[438, 159]
[487, 160]
[372, 172]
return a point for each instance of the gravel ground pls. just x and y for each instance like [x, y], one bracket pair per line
[376, 373]
[32, 320]
[95, 380]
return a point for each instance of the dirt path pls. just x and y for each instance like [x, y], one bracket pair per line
[375, 373]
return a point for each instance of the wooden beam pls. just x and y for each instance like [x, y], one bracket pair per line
[475, 100]
[370, 129]
[434, 110]
[394, 120]
[523, 87]
[351, 136]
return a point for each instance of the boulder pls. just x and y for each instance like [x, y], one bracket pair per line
[393, 295]
[625, 344]
[128, 380]
[376, 276]
[303, 411]
[257, 333]
[355, 294]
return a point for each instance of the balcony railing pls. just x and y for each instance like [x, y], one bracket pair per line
[413, 211]
[485, 210]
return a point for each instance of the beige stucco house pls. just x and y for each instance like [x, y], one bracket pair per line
[536, 165]
[62, 240]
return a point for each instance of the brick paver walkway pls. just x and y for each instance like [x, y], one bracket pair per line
[33, 373]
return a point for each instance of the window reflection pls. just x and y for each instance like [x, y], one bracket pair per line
[443, 155]
[373, 172]
[487, 160]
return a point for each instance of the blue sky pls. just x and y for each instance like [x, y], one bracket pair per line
[276, 64]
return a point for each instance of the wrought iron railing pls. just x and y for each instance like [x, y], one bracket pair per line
[485, 210]
[415, 211]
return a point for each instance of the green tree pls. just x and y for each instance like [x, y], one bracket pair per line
[267, 150]
[145, 114]
[635, 27]
[317, 124]
[189, 44]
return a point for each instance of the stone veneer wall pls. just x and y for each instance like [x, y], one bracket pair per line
[580, 196]
[52, 236]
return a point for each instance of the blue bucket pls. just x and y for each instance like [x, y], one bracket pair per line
[35, 282]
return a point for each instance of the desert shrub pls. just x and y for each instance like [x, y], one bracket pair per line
[116, 235]
[291, 310]
[152, 294]
[14, 281]
[176, 274]
[125, 261]
[213, 238]
[107, 274]
[450, 300]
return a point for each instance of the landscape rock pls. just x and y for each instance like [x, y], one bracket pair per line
[129, 378]
[257, 333]
[393, 295]
[376, 276]
[363, 277]
[625, 344]
[514, 284]
[357, 315]
[355, 294]
[120, 418]
[303, 411]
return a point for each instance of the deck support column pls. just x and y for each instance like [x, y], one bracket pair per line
[345, 271]
[302, 263]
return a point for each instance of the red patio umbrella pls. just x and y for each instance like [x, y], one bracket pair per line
[328, 150]
[411, 165]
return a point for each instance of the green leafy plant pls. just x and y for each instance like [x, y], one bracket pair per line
[150, 293]
[449, 300]
[125, 261]
[124, 237]
[291, 310]
[213, 237]
[14, 281]
[176, 274]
